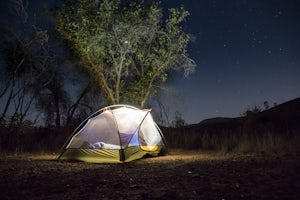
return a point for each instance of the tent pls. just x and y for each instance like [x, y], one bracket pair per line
[118, 133]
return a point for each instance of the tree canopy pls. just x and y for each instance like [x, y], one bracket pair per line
[127, 48]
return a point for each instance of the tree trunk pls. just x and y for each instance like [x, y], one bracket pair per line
[95, 71]
[76, 104]
[118, 78]
[11, 94]
[57, 119]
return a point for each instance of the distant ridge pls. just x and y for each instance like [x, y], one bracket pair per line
[215, 120]
[283, 116]
[289, 110]
[286, 112]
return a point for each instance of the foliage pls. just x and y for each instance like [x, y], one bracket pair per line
[126, 47]
[251, 111]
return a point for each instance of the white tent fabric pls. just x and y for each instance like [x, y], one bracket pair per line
[117, 129]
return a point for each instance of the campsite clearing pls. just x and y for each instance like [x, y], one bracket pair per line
[180, 175]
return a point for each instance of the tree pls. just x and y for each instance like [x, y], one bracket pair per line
[84, 101]
[24, 52]
[126, 47]
[178, 121]
[251, 111]
[266, 105]
[30, 71]
[52, 97]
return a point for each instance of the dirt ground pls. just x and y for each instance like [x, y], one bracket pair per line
[180, 175]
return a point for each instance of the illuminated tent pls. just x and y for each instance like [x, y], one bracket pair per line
[118, 133]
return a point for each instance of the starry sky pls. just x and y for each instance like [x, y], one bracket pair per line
[247, 52]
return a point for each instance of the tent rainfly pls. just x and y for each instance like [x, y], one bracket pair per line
[118, 133]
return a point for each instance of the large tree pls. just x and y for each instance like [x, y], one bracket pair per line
[126, 47]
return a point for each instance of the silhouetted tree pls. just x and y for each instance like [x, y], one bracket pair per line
[24, 51]
[251, 111]
[266, 105]
[178, 121]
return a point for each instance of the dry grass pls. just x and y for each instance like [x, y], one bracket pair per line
[225, 141]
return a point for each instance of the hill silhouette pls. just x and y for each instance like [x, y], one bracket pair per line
[274, 128]
[283, 116]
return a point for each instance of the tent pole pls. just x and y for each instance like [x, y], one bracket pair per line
[121, 151]
[122, 155]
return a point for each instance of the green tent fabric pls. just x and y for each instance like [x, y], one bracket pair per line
[118, 133]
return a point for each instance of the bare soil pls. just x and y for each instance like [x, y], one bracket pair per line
[180, 175]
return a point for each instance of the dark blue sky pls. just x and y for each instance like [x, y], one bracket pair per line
[247, 52]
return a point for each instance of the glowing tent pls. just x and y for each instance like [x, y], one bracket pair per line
[118, 133]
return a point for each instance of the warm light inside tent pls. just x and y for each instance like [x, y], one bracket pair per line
[149, 148]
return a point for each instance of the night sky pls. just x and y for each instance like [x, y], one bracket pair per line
[246, 51]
